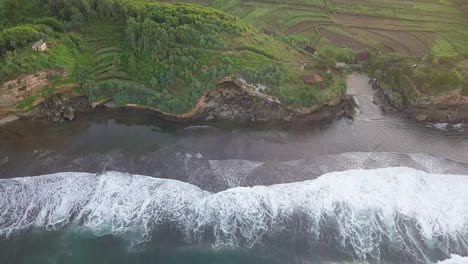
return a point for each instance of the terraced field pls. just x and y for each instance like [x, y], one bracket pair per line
[108, 54]
[410, 28]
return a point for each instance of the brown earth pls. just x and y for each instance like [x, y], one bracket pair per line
[389, 43]
[405, 42]
[14, 91]
[427, 38]
[299, 27]
[372, 22]
[343, 41]
[450, 108]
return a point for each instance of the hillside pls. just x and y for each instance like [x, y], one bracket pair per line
[157, 54]
[410, 28]
[430, 34]
[167, 55]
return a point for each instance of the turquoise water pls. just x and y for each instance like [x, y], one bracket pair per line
[74, 248]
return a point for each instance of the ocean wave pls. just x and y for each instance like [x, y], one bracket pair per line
[391, 213]
[455, 259]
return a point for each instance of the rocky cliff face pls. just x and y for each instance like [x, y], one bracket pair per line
[62, 106]
[237, 100]
[231, 99]
[450, 108]
[15, 91]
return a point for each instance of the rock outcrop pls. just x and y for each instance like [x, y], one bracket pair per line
[235, 100]
[62, 106]
[231, 100]
[448, 108]
[15, 91]
[240, 101]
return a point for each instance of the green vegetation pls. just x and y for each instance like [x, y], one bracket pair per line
[167, 55]
[436, 75]
[406, 27]
[429, 34]
[157, 54]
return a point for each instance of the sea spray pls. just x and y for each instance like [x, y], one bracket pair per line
[392, 213]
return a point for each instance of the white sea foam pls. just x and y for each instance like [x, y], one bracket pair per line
[361, 211]
[455, 259]
[233, 172]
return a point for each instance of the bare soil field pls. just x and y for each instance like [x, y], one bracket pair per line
[373, 22]
[409, 28]
[343, 41]
[426, 37]
[413, 45]
[389, 43]
[301, 27]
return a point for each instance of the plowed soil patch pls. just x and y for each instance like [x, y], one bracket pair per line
[299, 27]
[414, 46]
[374, 22]
[343, 41]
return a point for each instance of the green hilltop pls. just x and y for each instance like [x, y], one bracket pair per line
[168, 54]
[156, 54]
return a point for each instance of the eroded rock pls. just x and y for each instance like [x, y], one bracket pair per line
[63, 106]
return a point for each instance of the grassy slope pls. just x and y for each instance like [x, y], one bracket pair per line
[174, 78]
[442, 18]
[410, 28]
[99, 55]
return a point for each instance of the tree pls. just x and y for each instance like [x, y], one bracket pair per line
[132, 62]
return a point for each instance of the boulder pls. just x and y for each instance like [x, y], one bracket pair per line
[69, 113]
[58, 108]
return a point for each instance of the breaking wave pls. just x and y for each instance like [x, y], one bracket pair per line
[400, 214]
[455, 259]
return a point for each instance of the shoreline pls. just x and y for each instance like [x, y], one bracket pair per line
[232, 101]
[448, 109]
[237, 102]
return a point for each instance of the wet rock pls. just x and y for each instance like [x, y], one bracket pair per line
[3, 160]
[8, 119]
[61, 107]
[110, 104]
[421, 117]
[69, 113]
[449, 117]
[209, 117]
[349, 107]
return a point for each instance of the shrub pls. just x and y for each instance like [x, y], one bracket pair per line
[55, 24]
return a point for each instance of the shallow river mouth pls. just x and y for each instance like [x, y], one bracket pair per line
[379, 189]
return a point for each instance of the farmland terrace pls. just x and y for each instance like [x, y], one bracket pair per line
[167, 56]
[410, 28]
